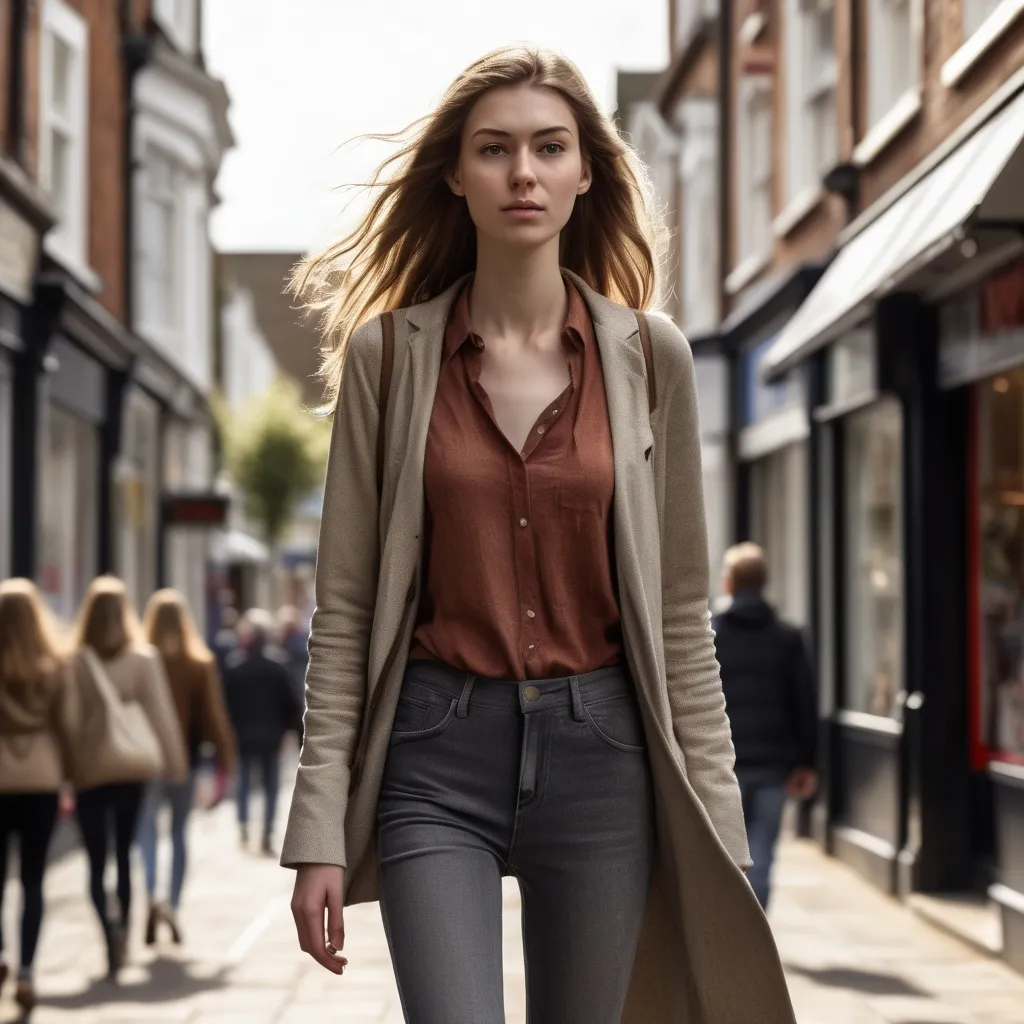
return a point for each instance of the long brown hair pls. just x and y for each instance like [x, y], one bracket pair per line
[107, 622]
[169, 627]
[31, 647]
[417, 237]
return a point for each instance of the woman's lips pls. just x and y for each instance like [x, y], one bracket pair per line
[523, 212]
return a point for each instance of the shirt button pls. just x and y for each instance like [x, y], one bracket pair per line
[531, 647]
[530, 613]
[522, 522]
[554, 412]
[540, 430]
[531, 692]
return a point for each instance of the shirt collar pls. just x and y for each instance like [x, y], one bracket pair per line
[578, 326]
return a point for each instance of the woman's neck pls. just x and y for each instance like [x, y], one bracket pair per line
[517, 295]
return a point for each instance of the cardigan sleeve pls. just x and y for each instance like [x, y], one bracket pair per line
[346, 590]
[693, 678]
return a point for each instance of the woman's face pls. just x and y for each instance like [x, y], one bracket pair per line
[520, 165]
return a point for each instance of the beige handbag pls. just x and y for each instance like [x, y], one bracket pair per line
[119, 739]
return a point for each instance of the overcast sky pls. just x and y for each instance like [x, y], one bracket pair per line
[306, 76]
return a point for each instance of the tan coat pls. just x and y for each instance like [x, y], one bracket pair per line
[138, 676]
[37, 735]
[707, 955]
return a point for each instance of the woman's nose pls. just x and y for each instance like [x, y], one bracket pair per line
[522, 170]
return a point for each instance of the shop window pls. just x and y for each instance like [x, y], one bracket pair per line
[1000, 462]
[64, 79]
[69, 494]
[778, 504]
[874, 559]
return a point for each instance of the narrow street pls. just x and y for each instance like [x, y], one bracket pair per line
[853, 956]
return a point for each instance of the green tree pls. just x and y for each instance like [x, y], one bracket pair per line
[275, 453]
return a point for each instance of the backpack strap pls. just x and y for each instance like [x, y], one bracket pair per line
[387, 362]
[645, 344]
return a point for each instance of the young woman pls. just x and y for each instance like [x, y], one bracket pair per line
[108, 639]
[511, 667]
[37, 734]
[199, 701]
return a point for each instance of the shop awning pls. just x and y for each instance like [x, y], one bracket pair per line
[233, 547]
[977, 188]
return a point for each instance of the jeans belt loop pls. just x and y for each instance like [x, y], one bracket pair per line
[577, 699]
[467, 688]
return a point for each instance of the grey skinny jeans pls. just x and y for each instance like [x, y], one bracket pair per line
[547, 781]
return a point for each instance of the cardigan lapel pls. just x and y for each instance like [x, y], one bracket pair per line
[417, 367]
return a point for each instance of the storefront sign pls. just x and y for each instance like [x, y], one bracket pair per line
[19, 246]
[195, 509]
[968, 352]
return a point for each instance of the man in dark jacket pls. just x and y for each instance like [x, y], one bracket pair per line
[771, 700]
[263, 707]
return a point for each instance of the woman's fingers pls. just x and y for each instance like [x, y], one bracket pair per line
[315, 892]
[335, 920]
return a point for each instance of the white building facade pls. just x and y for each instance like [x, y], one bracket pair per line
[179, 136]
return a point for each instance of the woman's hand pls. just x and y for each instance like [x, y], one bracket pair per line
[320, 887]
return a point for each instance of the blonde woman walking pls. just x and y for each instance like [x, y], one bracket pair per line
[38, 730]
[133, 737]
[195, 683]
[511, 667]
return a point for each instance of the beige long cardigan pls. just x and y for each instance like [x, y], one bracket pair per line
[707, 955]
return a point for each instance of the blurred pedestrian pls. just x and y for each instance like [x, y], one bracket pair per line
[771, 700]
[130, 736]
[199, 701]
[293, 636]
[38, 728]
[263, 707]
[225, 640]
[512, 670]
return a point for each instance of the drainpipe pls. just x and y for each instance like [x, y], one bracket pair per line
[16, 138]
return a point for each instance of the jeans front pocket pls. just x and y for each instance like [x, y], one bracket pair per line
[617, 722]
[421, 714]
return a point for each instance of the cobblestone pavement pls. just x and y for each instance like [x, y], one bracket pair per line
[853, 956]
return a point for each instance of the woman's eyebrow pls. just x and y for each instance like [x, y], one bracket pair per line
[507, 135]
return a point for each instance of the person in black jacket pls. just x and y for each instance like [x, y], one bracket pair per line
[771, 700]
[263, 706]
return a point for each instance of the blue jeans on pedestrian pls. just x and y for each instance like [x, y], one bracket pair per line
[266, 762]
[179, 795]
[763, 790]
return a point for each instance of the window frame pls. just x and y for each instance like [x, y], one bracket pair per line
[806, 85]
[180, 19]
[880, 43]
[68, 239]
[753, 241]
[170, 198]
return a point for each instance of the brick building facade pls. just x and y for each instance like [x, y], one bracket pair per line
[869, 359]
[94, 408]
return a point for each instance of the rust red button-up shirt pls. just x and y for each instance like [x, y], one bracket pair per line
[519, 561]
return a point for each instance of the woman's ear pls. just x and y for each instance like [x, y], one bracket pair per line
[452, 177]
[586, 178]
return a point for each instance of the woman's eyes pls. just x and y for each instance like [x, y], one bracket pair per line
[548, 149]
